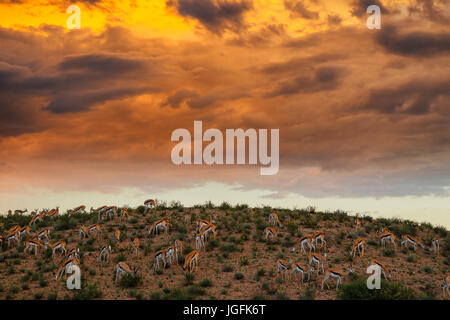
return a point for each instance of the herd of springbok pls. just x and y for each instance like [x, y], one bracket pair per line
[204, 230]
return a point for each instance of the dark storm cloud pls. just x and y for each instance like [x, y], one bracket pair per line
[215, 15]
[436, 11]
[412, 98]
[324, 78]
[359, 7]
[298, 8]
[414, 43]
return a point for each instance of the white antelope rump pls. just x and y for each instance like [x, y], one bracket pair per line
[191, 262]
[300, 268]
[105, 253]
[170, 255]
[122, 268]
[79, 209]
[136, 245]
[64, 266]
[387, 236]
[270, 232]
[445, 285]
[273, 219]
[199, 239]
[160, 257]
[435, 245]
[317, 259]
[283, 268]
[158, 226]
[33, 245]
[59, 245]
[20, 211]
[149, 204]
[303, 242]
[358, 245]
[384, 270]
[408, 239]
[320, 235]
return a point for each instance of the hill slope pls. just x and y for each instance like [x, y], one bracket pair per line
[238, 264]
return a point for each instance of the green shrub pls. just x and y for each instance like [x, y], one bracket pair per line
[357, 290]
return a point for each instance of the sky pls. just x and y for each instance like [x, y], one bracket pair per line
[86, 115]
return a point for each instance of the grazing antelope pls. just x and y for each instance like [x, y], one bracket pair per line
[117, 235]
[445, 285]
[37, 218]
[357, 223]
[14, 229]
[53, 212]
[59, 245]
[201, 224]
[84, 232]
[318, 259]
[136, 245]
[63, 268]
[283, 268]
[34, 212]
[160, 256]
[20, 211]
[270, 232]
[358, 245]
[44, 233]
[33, 245]
[304, 241]
[24, 231]
[408, 239]
[435, 245]
[383, 230]
[187, 219]
[124, 213]
[384, 270]
[104, 254]
[191, 262]
[300, 268]
[158, 225]
[387, 236]
[12, 237]
[99, 210]
[333, 273]
[149, 204]
[319, 236]
[122, 268]
[80, 209]
[211, 228]
[178, 249]
[273, 219]
[111, 212]
[94, 228]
